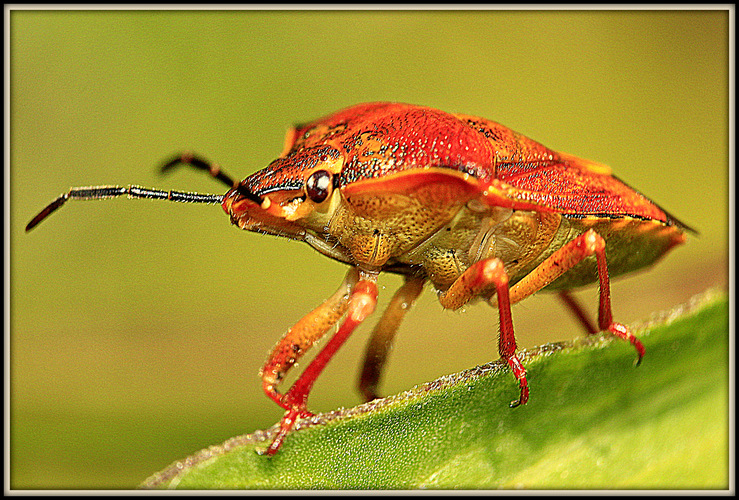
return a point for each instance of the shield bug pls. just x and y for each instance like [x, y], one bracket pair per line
[462, 202]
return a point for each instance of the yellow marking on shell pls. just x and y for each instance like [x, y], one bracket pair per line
[333, 165]
[597, 168]
[622, 222]
[593, 166]
[590, 220]
[617, 224]
[650, 225]
[266, 203]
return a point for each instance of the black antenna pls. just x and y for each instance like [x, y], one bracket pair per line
[214, 170]
[98, 192]
[200, 163]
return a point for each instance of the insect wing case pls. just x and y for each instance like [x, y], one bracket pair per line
[407, 173]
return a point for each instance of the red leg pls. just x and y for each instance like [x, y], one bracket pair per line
[605, 313]
[480, 276]
[361, 304]
[381, 339]
[476, 279]
[566, 258]
[298, 339]
[574, 306]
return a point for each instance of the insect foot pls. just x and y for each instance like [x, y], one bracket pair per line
[623, 332]
[520, 374]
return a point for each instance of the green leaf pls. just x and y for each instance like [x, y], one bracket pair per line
[593, 421]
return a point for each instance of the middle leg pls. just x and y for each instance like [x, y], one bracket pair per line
[381, 339]
[478, 278]
[577, 310]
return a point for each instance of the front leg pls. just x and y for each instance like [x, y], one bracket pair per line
[361, 304]
[303, 335]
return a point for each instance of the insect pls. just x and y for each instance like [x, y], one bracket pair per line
[474, 208]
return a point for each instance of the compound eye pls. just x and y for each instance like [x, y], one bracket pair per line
[318, 185]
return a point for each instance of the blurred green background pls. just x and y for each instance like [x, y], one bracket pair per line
[138, 328]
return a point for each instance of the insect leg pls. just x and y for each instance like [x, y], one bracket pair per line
[382, 336]
[195, 161]
[574, 306]
[478, 277]
[566, 258]
[303, 335]
[361, 304]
